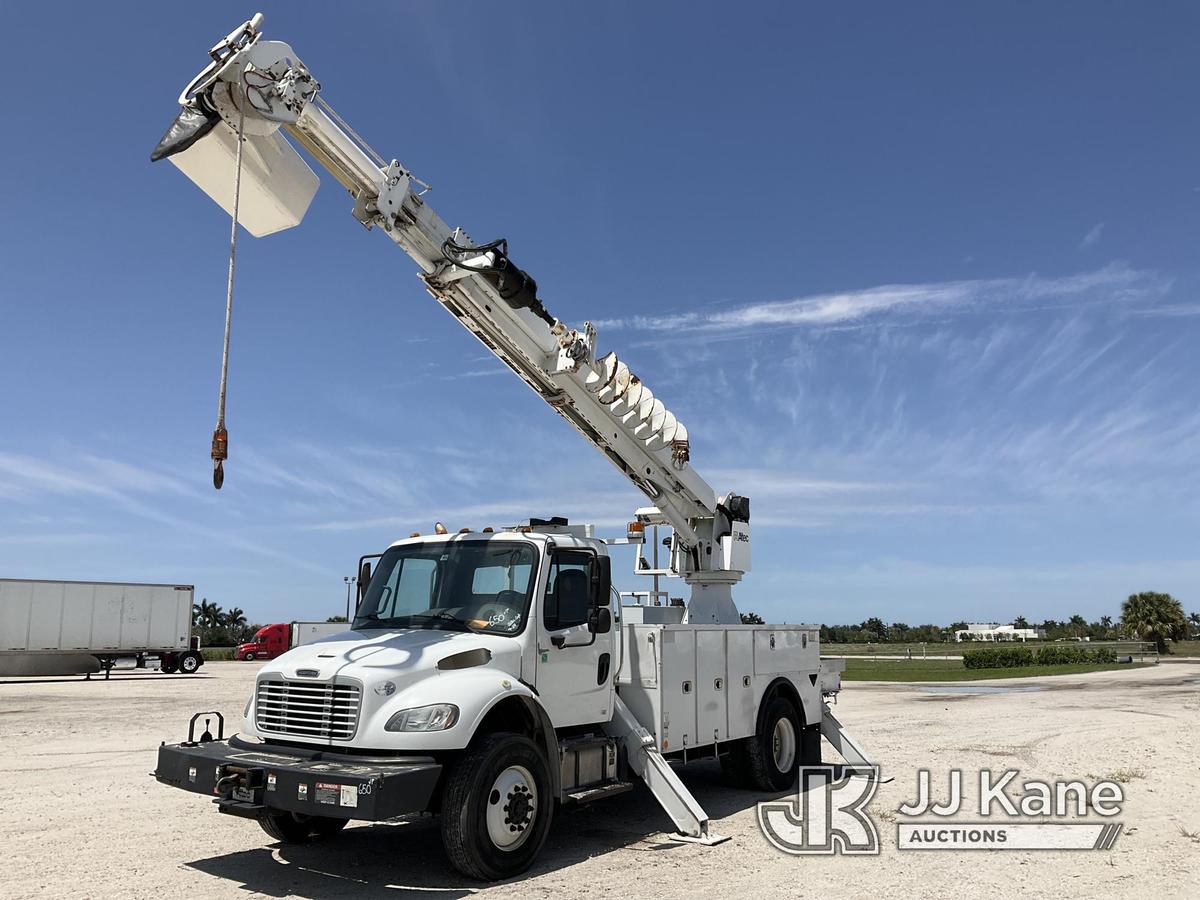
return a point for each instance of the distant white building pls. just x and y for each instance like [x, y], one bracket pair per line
[990, 631]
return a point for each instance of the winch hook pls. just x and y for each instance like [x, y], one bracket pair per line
[220, 453]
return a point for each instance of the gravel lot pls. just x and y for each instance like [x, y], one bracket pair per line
[82, 818]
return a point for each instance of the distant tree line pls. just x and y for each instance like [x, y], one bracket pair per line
[1148, 616]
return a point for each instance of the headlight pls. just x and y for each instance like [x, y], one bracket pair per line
[438, 717]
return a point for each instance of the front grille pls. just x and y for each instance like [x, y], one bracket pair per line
[308, 710]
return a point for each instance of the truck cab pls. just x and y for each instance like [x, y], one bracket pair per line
[449, 627]
[268, 642]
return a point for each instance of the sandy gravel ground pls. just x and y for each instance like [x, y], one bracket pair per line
[81, 817]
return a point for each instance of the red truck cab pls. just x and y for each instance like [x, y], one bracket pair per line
[268, 642]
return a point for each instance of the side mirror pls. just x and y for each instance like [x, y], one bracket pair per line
[601, 571]
[600, 620]
[364, 578]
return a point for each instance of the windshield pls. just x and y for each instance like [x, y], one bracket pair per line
[457, 585]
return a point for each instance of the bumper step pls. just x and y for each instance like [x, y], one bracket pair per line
[587, 795]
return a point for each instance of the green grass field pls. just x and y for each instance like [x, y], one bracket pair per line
[858, 669]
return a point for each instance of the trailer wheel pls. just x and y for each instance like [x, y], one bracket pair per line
[496, 807]
[168, 664]
[769, 760]
[297, 828]
[189, 662]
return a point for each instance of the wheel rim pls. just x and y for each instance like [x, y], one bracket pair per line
[188, 664]
[783, 745]
[512, 807]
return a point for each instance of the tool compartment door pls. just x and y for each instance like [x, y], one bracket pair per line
[712, 688]
[779, 651]
[678, 688]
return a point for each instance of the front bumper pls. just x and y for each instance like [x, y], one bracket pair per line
[249, 780]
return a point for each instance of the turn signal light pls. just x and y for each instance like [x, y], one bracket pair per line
[636, 531]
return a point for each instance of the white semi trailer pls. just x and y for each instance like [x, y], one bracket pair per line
[65, 627]
[487, 675]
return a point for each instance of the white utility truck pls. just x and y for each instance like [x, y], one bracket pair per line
[66, 627]
[487, 675]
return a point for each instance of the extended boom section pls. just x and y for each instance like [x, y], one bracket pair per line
[256, 91]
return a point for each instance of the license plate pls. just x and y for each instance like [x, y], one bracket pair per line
[244, 794]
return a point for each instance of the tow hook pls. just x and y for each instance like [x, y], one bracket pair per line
[239, 782]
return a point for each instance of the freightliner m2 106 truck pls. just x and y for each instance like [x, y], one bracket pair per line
[491, 676]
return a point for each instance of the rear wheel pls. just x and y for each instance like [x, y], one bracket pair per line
[168, 664]
[496, 807]
[189, 663]
[768, 760]
[297, 828]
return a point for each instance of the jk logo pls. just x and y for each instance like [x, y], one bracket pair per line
[828, 815]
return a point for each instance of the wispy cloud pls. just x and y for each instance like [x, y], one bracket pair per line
[1092, 236]
[1115, 282]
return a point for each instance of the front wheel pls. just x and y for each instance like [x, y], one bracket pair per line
[189, 663]
[249, 657]
[297, 828]
[496, 807]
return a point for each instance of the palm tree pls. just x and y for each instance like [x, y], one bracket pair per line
[1154, 617]
[1020, 622]
[1194, 619]
[235, 621]
[205, 613]
[1106, 625]
[1078, 624]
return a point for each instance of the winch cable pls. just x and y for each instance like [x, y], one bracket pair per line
[220, 438]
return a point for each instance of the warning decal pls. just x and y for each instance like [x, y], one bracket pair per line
[327, 793]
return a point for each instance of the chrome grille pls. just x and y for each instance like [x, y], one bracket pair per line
[307, 709]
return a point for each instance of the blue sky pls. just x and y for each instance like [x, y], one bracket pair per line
[920, 279]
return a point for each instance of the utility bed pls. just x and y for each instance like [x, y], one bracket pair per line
[696, 685]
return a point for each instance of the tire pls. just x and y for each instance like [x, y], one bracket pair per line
[189, 662]
[770, 759]
[168, 664]
[297, 828]
[500, 772]
[249, 657]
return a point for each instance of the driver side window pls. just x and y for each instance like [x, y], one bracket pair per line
[410, 588]
[568, 590]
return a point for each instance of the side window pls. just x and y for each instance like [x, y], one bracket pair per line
[568, 590]
[410, 588]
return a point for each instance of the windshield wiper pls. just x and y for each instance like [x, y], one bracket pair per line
[440, 614]
[369, 617]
